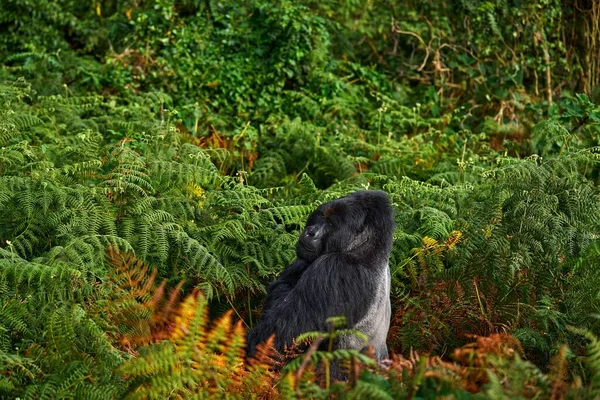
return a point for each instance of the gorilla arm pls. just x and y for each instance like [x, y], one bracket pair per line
[333, 285]
[284, 283]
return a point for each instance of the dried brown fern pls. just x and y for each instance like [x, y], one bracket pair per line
[262, 370]
[558, 374]
[197, 361]
[475, 358]
[134, 303]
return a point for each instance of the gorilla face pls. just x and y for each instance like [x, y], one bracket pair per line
[311, 244]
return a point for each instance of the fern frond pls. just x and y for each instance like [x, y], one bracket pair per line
[196, 361]
[289, 215]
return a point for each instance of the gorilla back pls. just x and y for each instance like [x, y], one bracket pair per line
[342, 270]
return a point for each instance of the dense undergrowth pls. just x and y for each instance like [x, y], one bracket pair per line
[158, 159]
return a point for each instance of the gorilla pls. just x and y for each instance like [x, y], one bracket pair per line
[342, 270]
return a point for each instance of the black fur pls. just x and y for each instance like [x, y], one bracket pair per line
[342, 270]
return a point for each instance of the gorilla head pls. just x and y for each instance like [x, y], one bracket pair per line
[347, 224]
[341, 270]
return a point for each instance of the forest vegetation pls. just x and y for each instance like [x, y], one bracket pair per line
[158, 160]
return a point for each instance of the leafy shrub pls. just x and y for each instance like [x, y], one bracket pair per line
[178, 146]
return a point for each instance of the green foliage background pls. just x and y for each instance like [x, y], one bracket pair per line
[199, 135]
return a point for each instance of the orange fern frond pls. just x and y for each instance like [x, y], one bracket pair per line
[197, 360]
[135, 303]
[558, 374]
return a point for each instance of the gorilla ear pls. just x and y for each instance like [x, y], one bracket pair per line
[350, 227]
[363, 236]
